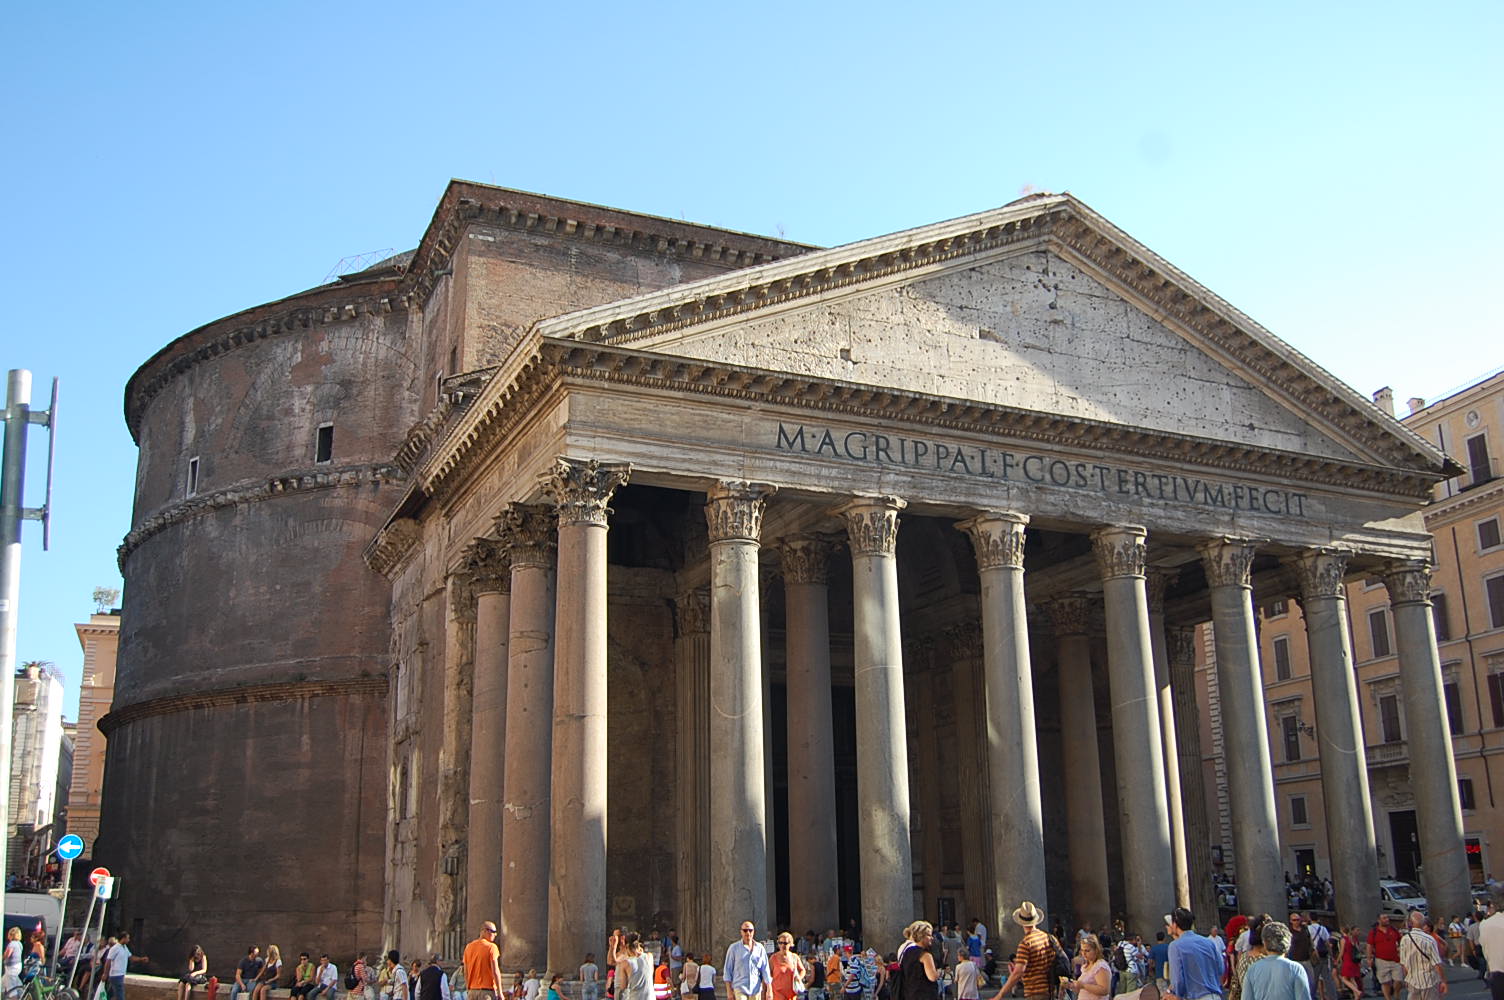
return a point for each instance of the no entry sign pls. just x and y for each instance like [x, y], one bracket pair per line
[98, 875]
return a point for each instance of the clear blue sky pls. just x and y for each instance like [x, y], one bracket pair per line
[1332, 169]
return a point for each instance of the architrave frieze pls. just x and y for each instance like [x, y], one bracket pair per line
[371, 687]
[254, 491]
[543, 366]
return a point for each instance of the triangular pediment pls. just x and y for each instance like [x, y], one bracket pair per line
[1040, 306]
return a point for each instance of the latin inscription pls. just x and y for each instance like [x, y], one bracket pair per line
[872, 448]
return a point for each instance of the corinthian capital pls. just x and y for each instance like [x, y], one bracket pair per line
[1182, 643]
[488, 566]
[998, 539]
[1155, 582]
[806, 559]
[733, 510]
[461, 596]
[1227, 561]
[530, 532]
[1408, 582]
[872, 524]
[1321, 572]
[1070, 614]
[1120, 550]
[692, 609]
[582, 490]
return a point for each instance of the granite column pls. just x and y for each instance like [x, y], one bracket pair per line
[1433, 771]
[997, 538]
[491, 578]
[1240, 683]
[1339, 736]
[530, 532]
[887, 862]
[738, 810]
[813, 892]
[1082, 766]
[1181, 650]
[1155, 581]
[579, 767]
[1148, 866]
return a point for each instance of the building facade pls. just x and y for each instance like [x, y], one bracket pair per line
[1467, 604]
[698, 577]
[36, 752]
[100, 639]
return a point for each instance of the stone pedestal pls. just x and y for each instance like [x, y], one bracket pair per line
[887, 867]
[577, 889]
[1250, 777]
[1181, 648]
[1433, 772]
[529, 532]
[738, 810]
[1154, 584]
[1071, 616]
[813, 892]
[492, 579]
[1148, 866]
[1012, 743]
[1339, 736]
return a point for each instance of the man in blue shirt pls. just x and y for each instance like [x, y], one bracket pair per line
[745, 970]
[1159, 958]
[1276, 977]
[1196, 962]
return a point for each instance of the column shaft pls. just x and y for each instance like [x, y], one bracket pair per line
[1148, 866]
[454, 761]
[1240, 683]
[1433, 771]
[530, 532]
[1155, 581]
[1339, 735]
[964, 641]
[813, 891]
[1012, 743]
[577, 890]
[692, 848]
[738, 811]
[887, 865]
[1082, 763]
[1181, 643]
[488, 730]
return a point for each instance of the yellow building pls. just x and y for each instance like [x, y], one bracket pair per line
[100, 639]
[1467, 595]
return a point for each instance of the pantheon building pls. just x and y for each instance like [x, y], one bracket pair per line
[583, 569]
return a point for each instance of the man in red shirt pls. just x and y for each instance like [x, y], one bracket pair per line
[1384, 953]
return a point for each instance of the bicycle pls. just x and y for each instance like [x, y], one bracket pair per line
[41, 987]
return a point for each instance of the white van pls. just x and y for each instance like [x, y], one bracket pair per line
[1398, 898]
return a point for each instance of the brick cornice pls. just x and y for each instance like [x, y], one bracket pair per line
[253, 491]
[252, 694]
[541, 366]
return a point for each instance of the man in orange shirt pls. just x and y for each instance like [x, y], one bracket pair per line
[482, 965]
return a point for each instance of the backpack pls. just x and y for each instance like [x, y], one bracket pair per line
[1063, 969]
[1120, 958]
[896, 981]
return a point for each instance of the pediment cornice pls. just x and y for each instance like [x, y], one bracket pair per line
[1066, 226]
[543, 365]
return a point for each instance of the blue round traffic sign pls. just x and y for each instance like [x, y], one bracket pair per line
[70, 847]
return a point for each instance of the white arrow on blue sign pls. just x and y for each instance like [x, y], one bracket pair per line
[70, 847]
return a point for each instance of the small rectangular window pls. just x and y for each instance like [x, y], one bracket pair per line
[1488, 533]
[1477, 459]
[1298, 815]
[1496, 697]
[1378, 632]
[323, 444]
[1439, 617]
[1389, 718]
[1278, 609]
[1495, 587]
[1282, 658]
[1465, 793]
[192, 477]
[1290, 730]
[1452, 696]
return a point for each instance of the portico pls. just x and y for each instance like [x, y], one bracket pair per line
[1000, 427]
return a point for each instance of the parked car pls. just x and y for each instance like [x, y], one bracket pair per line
[1398, 898]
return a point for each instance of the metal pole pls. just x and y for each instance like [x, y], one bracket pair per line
[104, 968]
[57, 941]
[88, 918]
[12, 498]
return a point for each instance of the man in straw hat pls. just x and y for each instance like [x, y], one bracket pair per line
[1034, 962]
